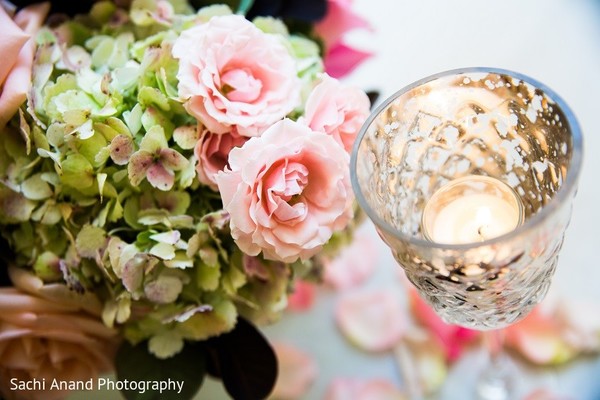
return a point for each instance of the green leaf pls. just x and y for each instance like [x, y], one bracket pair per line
[135, 363]
[245, 361]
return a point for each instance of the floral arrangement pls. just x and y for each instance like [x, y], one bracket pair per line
[169, 174]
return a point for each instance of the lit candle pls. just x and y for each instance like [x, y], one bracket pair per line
[470, 210]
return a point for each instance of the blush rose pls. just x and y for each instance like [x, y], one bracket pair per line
[286, 191]
[17, 50]
[212, 150]
[232, 74]
[337, 110]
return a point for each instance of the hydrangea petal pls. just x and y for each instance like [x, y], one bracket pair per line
[121, 149]
[160, 177]
[138, 166]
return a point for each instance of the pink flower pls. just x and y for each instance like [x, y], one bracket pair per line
[287, 191]
[454, 339]
[212, 150]
[337, 110]
[49, 332]
[17, 56]
[340, 59]
[232, 74]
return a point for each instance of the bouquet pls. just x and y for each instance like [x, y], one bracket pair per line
[170, 173]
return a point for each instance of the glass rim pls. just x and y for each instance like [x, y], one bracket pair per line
[569, 185]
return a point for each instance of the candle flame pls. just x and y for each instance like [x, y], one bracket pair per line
[483, 216]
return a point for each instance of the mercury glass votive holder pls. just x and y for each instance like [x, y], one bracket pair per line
[460, 125]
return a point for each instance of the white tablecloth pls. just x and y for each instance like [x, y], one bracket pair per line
[554, 41]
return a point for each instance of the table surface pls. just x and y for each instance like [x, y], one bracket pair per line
[554, 41]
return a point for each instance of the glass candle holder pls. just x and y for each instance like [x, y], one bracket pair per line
[469, 177]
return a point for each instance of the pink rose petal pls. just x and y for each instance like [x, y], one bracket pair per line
[297, 371]
[373, 321]
[341, 59]
[538, 338]
[454, 339]
[543, 394]
[339, 19]
[422, 360]
[358, 389]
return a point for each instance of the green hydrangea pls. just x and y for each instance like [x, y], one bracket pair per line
[99, 187]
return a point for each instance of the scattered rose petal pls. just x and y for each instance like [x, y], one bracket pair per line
[373, 321]
[303, 296]
[537, 338]
[354, 264]
[422, 360]
[454, 339]
[581, 324]
[543, 394]
[556, 331]
[297, 371]
[357, 389]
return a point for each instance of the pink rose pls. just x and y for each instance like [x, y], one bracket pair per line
[212, 150]
[337, 110]
[287, 191]
[48, 331]
[17, 56]
[232, 74]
